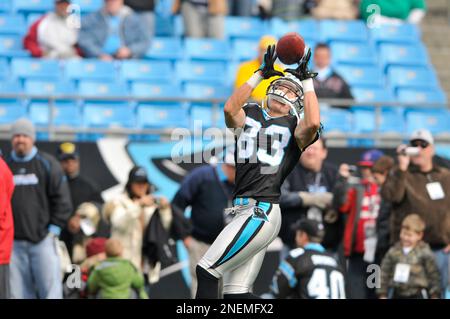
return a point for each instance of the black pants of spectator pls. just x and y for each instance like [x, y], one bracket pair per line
[357, 278]
[4, 282]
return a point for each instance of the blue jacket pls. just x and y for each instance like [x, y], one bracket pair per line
[94, 33]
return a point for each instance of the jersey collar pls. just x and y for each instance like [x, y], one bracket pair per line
[26, 158]
[314, 246]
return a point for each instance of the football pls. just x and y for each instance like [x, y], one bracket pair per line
[290, 48]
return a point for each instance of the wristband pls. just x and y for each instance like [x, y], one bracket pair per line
[255, 79]
[308, 85]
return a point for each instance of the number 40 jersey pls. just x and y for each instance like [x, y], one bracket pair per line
[266, 152]
[309, 274]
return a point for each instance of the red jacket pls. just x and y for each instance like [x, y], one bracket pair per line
[6, 216]
[360, 216]
[30, 42]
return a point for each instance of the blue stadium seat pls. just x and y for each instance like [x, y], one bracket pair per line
[206, 72]
[39, 87]
[372, 94]
[4, 69]
[155, 90]
[391, 122]
[403, 55]
[10, 87]
[32, 18]
[12, 24]
[207, 49]
[353, 53]
[244, 27]
[88, 6]
[5, 6]
[335, 120]
[11, 46]
[164, 26]
[25, 68]
[245, 49]
[411, 77]
[308, 28]
[202, 116]
[206, 91]
[103, 115]
[435, 121]
[66, 113]
[162, 115]
[138, 70]
[91, 69]
[11, 110]
[419, 95]
[340, 30]
[361, 75]
[165, 49]
[402, 33]
[33, 6]
[101, 89]
[232, 69]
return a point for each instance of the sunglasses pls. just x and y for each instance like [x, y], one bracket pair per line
[419, 143]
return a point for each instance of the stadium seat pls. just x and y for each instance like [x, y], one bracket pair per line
[419, 95]
[205, 116]
[244, 49]
[164, 26]
[391, 121]
[435, 121]
[162, 115]
[340, 30]
[32, 18]
[206, 72]
[155, 90]
[361, 75]
[12, 24]
[165, 49]
[10, 87]
[403, 55]
[137, 70]
[353, 53]
[372, 94]
[99, 89]
[11, 110]
[38, 87]
[309, 28]
[104, 115]
[11, 46]
[335, 120]
[88, 6]
[402, 33]
[207, 49]
[43, 69]
[66, 113]
[90, 69]
[4, 69]
[244, 27]
[33, 6]
[411, 77]
[206, 91]
[5, 6]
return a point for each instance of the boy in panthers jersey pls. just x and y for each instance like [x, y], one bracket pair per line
[309, 272]
[269, 141]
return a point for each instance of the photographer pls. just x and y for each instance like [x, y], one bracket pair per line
[130, 213]
[419, 185]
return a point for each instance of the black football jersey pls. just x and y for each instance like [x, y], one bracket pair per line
[309, 274]
[266, 152]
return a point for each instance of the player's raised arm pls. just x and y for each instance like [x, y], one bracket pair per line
[307, 128]
[234, 114]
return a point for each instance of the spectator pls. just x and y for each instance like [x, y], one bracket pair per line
[203, 18]
[208, 190]
[409, 270]
[287, 10]
[146, 10]
[392, 11]
[332, 9]
[82, 190]
[328, 84]
[116, 277]
[41, 206]
[359, 200]
[307, 193]
[419, 185]
[246, 69]
[113, 32]
[241, 8]
[6, 227]
[53, 36]
[130, 213]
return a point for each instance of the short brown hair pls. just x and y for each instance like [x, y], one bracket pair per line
[113, 248]
[383, 165]
[414, 223]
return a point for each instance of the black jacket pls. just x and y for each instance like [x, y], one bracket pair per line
[334, 87]
[41, 196]
[141, 5]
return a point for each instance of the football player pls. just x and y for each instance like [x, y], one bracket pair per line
[309, 272]
[268, 143]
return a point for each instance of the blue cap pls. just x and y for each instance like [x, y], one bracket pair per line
[370, 157]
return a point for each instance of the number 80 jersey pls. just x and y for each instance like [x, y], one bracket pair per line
[266, 152]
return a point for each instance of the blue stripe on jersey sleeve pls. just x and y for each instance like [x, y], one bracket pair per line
[289, 273]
